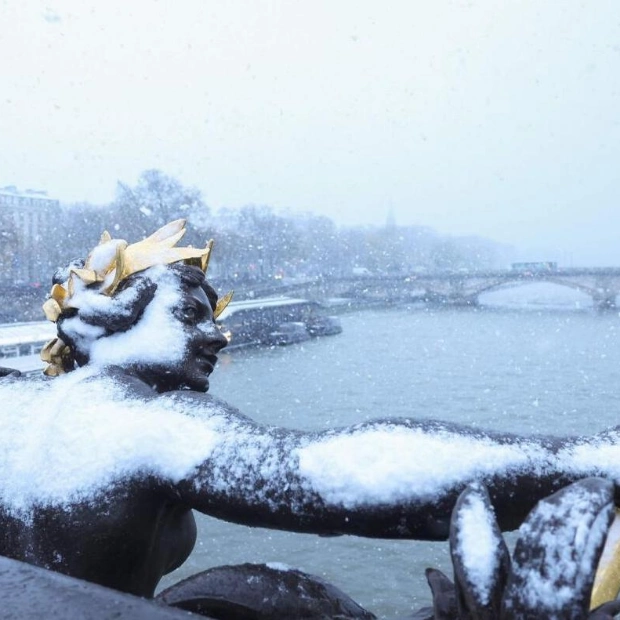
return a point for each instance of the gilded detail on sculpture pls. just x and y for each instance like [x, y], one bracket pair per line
[111, 262]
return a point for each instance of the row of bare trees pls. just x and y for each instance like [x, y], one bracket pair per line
[255, 242]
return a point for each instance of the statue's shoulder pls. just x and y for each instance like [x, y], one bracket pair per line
[196, 399]
[114, 379]
[203, 404]
[185, 402]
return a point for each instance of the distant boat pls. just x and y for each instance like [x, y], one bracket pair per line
[26, 364]
[275, 321]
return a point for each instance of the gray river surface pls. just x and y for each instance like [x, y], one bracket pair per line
[549, 370]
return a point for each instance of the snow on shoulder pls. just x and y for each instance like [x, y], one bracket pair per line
[65, 440]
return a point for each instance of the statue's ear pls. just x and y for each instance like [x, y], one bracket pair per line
[480, 557]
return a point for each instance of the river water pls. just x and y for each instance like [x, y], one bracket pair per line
[551, 369]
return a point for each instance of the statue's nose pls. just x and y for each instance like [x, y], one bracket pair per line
[214, 336]
[220, 342]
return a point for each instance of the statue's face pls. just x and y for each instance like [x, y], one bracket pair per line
[203, 340]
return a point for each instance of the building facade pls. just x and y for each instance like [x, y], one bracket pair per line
[26, 219]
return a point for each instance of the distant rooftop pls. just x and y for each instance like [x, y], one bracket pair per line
[12, 190]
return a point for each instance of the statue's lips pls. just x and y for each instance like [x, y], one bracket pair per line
[206, 361]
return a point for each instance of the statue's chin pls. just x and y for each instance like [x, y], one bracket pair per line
[167, 381]
[195, 386]
[159, 379]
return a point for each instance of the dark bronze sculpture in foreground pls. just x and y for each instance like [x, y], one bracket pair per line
[552, 571]
[102, 466]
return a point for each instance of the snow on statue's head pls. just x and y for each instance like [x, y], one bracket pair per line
[119, 306]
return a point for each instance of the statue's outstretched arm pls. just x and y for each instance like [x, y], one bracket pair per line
[395, 478]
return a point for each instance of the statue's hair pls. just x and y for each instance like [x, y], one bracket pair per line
[128, 304]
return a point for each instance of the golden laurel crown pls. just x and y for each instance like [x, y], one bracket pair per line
[111, 262]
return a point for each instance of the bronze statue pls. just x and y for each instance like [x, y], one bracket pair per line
[102, 465]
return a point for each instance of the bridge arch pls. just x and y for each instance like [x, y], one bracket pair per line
[603, 294]
[519, 282]
[517, 292]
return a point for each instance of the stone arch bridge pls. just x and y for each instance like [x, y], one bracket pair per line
[602, 284]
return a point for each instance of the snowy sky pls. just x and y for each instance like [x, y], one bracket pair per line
[470, 116]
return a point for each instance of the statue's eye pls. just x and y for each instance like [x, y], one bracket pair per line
[189, 313]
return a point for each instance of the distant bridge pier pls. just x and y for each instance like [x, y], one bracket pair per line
[458, 300]
[605, 300]
[464, 300]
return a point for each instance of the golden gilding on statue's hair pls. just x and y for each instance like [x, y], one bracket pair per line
[114, 260]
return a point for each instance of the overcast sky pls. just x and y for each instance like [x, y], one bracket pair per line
[500, 119]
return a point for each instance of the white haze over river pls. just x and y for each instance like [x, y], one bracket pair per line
[520, 366]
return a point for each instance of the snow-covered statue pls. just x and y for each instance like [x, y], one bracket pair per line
[102, 465]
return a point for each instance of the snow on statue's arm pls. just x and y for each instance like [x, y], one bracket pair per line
[394, 478]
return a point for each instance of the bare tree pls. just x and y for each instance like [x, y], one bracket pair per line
[157, 199]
